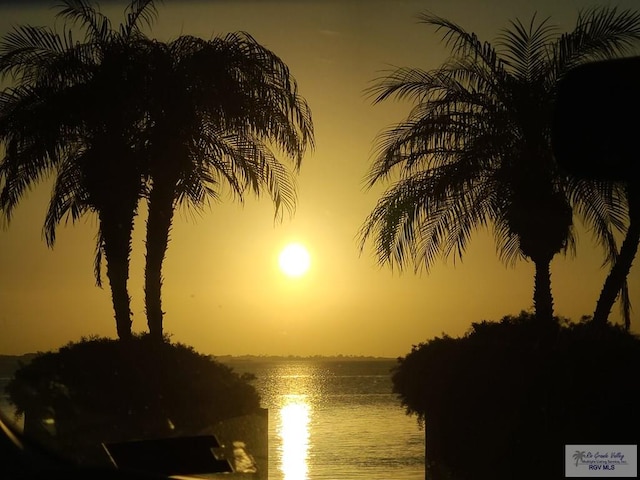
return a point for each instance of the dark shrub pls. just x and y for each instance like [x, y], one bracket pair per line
[103, 390]
[503, 401]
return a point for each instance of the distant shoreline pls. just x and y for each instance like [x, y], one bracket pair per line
[28, 356]
[9, 363]
[337, 358]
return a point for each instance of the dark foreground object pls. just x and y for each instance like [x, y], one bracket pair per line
[23, 459]
[169, 456]
[596, 120]
[103, 391]
[502, 402]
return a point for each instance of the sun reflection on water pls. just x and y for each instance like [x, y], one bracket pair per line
[293, 430]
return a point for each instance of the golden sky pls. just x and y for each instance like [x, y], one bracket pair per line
[223, 291]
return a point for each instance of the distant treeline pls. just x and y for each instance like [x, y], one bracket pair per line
[312, 358]
[9, 363]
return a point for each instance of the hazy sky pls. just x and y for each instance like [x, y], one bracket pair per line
[223, 292]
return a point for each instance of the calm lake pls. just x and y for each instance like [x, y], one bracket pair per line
[335, 419]
[331, 419]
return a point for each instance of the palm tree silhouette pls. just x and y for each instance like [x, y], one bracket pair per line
[173, 122]
[579, 456]
[216, 108]
[616, 282]
[475, 149]
[74, 113]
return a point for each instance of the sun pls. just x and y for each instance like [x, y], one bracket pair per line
[294, 260]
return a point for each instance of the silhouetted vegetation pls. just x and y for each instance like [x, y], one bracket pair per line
[503, 400]
[73, 111]
[120, 117]
[103, 390]
[216, 109]
[475, 149]
[594, 138]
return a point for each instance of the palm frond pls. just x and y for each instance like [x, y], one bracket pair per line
[600, 33]
[463, 43]
[401, 83]
[507, 242]
[445, 234]
[35, 130]
[439, 132]
[69, 200]
[138, 13]
[197, 187]
[602, 207]
[428, 213]
[36, 54]
[88, 17]
[524, 48]
[246, 162]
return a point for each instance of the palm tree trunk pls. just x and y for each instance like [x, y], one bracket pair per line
[542, 297]
[117, 249]
[158, 227]
[620, 269]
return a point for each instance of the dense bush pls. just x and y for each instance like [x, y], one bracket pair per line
[103, 390]
[502, 401]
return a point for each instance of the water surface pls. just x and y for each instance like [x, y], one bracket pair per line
[336, 419]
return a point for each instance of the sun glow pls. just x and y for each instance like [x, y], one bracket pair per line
[294, 432]
[294, 260]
